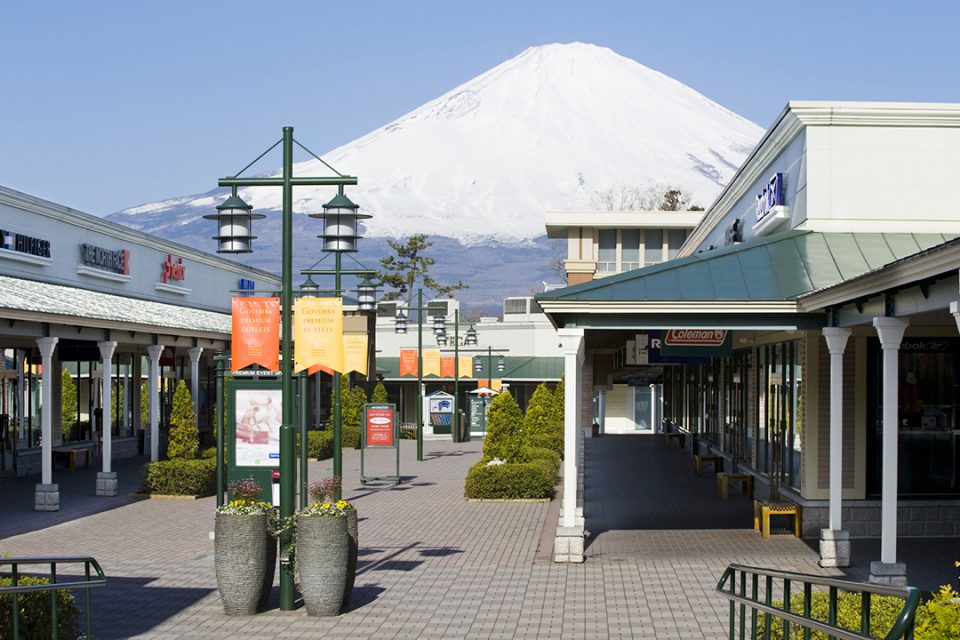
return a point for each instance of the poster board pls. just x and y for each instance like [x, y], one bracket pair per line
[254, 416]
[380, 431]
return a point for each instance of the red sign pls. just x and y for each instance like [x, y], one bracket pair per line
[695, 337]
[173, 270]
[408, 362]
[379, 426]
[256, 333]
[447, 367]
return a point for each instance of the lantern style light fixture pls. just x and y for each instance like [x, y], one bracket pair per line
[309, 289]
[477, 365]
[439, 325]
[340, 224]
[500, 365]
[400, 323]
[471, 339]
[234, 225]
[442, 340]
[366, 295]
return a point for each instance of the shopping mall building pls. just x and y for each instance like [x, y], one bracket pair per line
[806, 331]
[84, 298]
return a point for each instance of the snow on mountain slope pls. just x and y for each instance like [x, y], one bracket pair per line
[545, 130]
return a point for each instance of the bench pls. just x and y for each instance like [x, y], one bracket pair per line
[763, 510]
[679, 436]
[70, 457]
[725, 479]
[701, 458]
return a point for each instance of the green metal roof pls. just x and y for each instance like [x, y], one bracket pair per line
[515, 368]
[776, 268]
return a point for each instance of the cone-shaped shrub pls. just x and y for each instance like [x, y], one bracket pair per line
[504, 439]
[68, 405]
[540, 427]
[184, 436]
[379, 394]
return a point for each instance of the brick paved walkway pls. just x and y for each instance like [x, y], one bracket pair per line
[431, 566]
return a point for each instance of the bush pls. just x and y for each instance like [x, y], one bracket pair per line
[350, 437]
[548, 457]
[184, 436]
[68, 405]
[939, 618]
[210, 453]
[504, 439]
[408, 433]
[319, 445]
[546, 440]
[179, 477]
[510, 481]
[35, 613]
[379, 394]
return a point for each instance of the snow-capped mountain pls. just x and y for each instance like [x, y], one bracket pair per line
[546, 130]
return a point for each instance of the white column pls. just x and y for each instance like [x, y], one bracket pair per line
[194, 353]
[602, 410]
[890, 331]
[154, 389]
[46, 345]
[571, 345]
[107, 348]
[955, 310]
[834, 541]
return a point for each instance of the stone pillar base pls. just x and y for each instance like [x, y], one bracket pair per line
[568, 545]
[893, 574]
[834, 548]
[46, 497]
[106, 483]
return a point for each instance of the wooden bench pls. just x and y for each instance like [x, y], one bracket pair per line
[70, 457]
[763, 510]
[701, 458]
[725, 479]
[679, 436]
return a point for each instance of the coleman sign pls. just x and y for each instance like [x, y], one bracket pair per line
[695, 337]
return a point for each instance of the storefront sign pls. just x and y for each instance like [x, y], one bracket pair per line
[173, 270]
[25, 244]
[246, 284]
[379, 425]
[318, 333]
[117, 261]
[695, 337]
[256, 333]
[770, 197]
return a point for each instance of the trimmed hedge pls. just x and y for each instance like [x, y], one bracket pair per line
[548, 457]
[552, 440]
[319, 445]
[180, 477]
[350, 437]
[35, 614]
[510, 480]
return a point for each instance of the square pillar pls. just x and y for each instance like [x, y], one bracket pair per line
[568, 545]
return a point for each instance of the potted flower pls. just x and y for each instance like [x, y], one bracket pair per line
[323, 552]
[245, 552]
[330, 490]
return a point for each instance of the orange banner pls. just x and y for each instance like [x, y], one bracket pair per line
[318, 368]
[447, 368]
[318, 333]
[466, 367]
[431, 362]
[408, 362]
[494, 385]
[255, 334]
[355, 352]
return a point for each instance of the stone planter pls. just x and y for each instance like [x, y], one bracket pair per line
[323, 550]
[241, 546]
[354, 541]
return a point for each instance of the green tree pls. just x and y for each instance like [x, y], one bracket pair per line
[504, 439]
[116, 399]
[68, 405]
[409, 268]
[379, 394]
[540, 428]
[184, 435]
[558, 405]
[351, 402]
[144, 405]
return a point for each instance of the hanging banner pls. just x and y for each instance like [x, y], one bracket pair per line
[466, 367]
[255, 335]
[317, 368]
[448, 367]
[408, 362]
[496, 384]
[431, 362]
[355, 352]
[318, 333]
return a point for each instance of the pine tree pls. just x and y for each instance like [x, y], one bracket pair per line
[379, 394]
[184, 435]
[504, 439]
[558, 405]
[68, 405]
[540, 427]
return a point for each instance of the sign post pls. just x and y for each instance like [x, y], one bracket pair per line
[380, 431]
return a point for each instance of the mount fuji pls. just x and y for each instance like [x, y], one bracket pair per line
[476, 168]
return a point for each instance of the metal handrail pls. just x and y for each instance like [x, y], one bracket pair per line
[86, 583]
[728, 583]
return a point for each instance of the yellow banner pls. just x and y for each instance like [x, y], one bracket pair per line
[355, 352]
[431, 362]
[466, 367]
[318, 333]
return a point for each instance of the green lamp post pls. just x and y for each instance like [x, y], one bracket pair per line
[234, 223]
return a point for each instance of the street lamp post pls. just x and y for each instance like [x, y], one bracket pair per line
[234, 221]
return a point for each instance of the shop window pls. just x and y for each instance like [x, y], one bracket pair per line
[607, 251]
[629, 249]
[653, 246]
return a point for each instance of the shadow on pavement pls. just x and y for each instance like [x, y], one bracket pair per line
[153, 606]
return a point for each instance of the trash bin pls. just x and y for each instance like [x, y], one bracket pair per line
[595, 430]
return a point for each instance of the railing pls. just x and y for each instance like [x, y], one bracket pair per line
[86, 582]
[770, 599]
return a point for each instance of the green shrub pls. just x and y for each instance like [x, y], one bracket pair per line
[540, 426]
[504, 439]
[408, 433]
[144, 405]
[547, 440]
[939, 618]
[180, 477]
[68, 405]
[509, 481]
[350, 437]
[547, 456]
[210, 453]
[558, 405]
[379, 394]
[184, 436]
[35, 611]
[319, 445]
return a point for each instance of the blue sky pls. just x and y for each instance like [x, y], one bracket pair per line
[106, 105]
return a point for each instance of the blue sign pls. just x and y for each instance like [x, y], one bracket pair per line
[772, 196]
[246, 285]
